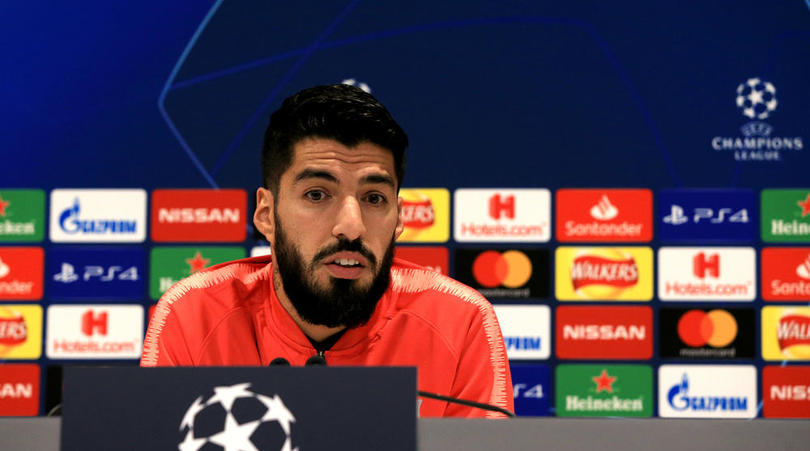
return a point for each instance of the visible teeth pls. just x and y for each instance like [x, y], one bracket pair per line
[346, 262]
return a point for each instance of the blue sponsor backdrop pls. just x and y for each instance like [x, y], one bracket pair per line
[99, 272]
[547, 94]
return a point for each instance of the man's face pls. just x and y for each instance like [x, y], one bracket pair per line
[335, 220]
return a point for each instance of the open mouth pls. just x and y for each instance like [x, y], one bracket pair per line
[345, 266]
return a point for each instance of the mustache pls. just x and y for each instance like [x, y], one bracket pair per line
[345, 245]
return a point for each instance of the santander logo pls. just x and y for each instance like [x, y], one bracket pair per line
[604, 210]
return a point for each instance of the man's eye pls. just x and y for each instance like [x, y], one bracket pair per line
[375, 199]
[315, 196]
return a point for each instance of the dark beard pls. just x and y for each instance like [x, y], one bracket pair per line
[345, 303]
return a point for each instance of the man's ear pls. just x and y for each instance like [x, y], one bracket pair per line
[400, 226]
[263, 216]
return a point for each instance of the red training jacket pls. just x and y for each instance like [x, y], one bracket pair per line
[229, 315]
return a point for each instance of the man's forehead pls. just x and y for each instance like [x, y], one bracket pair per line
[330, 155]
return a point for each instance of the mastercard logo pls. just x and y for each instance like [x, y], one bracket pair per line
[510, 269]
[716, 328]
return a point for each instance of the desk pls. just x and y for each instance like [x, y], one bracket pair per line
[42, 434]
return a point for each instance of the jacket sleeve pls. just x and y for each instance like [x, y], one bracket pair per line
[165, 343]
[483, 369]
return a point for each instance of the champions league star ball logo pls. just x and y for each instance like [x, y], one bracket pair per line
[756, 98]
[235, 418]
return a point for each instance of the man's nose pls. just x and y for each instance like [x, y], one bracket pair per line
[349, 221]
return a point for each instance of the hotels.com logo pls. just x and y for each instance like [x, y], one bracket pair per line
[701, 265]
[714, 273]
[94, 323]
[502, 206]
[502, 215]
[106, 332]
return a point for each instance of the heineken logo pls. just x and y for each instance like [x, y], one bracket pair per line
[604, 390]
[22, 215]
[170, 265]
[786, 215]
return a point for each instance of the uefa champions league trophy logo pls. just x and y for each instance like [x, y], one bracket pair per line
[236, 418]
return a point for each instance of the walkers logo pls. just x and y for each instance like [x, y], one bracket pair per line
[786, 392]
[97, 273]
[502, 215]
[623, 215]
[786, 333]
[712, 214]
[22, 215]
[530, 384]
[94, 331]
[21, 273]
[199, 215]
[756, 100]
[604, 333]
[171, 264]
[526, 330]
[19, 390]
[505, 273]
[706, 274]
[20, 332]
[604, 273]
[425, 214]
[98, 216]
[786, 274]
[786, 215]
[604, 391]
[434, 258]
[706, 334]
[707, 391]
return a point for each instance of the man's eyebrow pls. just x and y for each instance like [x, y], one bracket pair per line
[315, 174]
[379, 178]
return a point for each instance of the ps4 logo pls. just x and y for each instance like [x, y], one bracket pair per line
[93, 272]
[524, 391]
[706, 215]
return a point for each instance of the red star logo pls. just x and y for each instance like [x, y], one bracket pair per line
[197, 263]
[3, 205]
[604, 382]
[805, 206]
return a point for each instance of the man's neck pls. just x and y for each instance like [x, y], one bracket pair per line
[315, 332]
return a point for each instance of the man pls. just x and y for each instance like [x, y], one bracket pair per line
[333, 161]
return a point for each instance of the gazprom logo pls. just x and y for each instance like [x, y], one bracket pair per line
[70, 222]
[519, 343]
[98, 215]
[679, 399]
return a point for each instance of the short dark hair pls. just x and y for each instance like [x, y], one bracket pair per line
[344, 113]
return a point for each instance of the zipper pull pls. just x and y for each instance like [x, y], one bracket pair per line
[319, 359]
